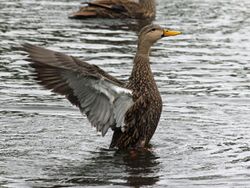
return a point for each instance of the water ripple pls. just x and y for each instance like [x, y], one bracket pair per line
[203, 75]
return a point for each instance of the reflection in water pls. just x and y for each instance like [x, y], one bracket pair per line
[112, 167]
[106, 167]
[142, 168]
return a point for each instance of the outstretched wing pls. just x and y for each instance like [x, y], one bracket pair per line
[100, 96]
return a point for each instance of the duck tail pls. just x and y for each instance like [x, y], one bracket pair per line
[85, 12]
[81, 14]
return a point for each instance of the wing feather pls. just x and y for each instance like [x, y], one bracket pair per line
[103, 98]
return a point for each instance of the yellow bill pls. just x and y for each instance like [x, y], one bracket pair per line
[168, 33]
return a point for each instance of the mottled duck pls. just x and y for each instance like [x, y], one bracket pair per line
[131, 109]
[141, 9]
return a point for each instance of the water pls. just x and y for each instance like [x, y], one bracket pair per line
[203, 75]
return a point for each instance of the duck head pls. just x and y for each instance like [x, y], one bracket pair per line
[151, 34]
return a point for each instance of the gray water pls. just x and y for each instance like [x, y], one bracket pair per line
[203, 138]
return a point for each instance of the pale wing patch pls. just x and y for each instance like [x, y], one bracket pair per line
[104, 103]
[121, 105]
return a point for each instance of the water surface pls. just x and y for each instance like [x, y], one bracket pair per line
[203, 75]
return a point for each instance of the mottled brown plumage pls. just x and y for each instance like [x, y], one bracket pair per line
[141, 9]
[131, 109]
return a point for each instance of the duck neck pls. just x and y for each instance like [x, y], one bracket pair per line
[141, 79]
[143, 48]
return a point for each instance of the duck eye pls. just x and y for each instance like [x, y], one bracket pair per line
[153, 29]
